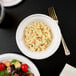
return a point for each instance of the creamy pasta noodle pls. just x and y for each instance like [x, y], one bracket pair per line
[37, 36]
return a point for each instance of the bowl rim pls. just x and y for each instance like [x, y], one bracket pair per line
[33, 55]
[11, 3]
[2, 11]
[10, 56]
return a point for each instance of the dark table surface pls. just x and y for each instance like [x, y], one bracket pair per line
[66, 13]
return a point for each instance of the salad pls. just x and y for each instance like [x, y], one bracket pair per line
[14, 68]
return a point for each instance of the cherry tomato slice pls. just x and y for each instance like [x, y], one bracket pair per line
[2, 66]
[24, 67]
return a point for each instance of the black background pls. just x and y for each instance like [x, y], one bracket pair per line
[66, 12]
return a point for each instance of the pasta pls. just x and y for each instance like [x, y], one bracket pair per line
[37, 36]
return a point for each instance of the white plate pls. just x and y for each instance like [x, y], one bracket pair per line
[11, 56]
[56, 36]
[8, 3]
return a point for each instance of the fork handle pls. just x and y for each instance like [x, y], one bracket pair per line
[66, 50]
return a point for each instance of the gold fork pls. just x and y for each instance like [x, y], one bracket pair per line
[53, 15]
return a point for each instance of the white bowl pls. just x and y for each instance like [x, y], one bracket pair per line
[56, 36]
[11, 56]
[9, 3]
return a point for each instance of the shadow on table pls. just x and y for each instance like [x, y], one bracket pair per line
[8, 22]
[53, 65]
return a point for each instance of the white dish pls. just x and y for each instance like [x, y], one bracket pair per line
[11, 56]
[8, 3]
[56, 36]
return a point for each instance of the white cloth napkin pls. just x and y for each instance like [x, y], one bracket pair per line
[68, 71]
